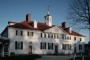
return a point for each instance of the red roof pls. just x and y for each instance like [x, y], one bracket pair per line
[26, 25]
[72, 33]
[40, 26]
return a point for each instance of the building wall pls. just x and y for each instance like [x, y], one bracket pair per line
[36, 39]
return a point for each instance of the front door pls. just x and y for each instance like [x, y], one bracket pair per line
[30, 49]
[56, 49]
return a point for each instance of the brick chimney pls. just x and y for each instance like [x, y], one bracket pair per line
[28, 18]
[64, 24]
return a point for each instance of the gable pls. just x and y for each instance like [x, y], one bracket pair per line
[55, 29]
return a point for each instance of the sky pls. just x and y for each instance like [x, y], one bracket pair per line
[16, 10]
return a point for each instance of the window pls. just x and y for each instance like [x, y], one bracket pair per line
[52, 36]
[42, 45]
[80, 47]
[31, 33]
[41, 35]
[28, 33]
[70, 37]
[16, 32]
[63, 36]
[75, 38]
[67, 37]
[44, 35]
[18, 45]
[21, 33]
[66, 46]
[48, 35]
[80, 39]
[50, 45]
[57, 36]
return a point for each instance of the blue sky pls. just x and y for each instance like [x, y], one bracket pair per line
[16, 10]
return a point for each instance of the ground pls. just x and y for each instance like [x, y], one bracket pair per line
[42, 57]
[54, 58]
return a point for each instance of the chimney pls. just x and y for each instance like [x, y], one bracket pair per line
[35, 24]
[64, 24]
[70, 30]
[28, 18]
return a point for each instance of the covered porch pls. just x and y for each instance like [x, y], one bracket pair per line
[4, 47]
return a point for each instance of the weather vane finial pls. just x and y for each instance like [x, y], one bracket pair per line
[48, 9]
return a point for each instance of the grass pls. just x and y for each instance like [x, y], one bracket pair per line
[80, 58]
[21, 57]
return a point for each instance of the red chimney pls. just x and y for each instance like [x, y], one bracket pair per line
[64, 24]
[28, 18]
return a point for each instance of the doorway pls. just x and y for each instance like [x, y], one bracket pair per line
[30, 49]
[56, 49]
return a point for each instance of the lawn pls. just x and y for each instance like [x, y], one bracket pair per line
[21, 57]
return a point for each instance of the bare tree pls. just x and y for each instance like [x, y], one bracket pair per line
[80, 13]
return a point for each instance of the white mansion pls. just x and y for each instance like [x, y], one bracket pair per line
[32, 37]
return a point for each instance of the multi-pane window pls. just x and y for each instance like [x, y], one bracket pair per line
[29, 33]
[75, 38]
[80, 39]
[44, 35]
[50, 45]
[66, 46]
[49, 35]
[41, 35]
[67, 37]
[52, 36]
[16, 32]
[21, 33]
[18, 45]
[42, 45]
[63, 36]
[70, 37]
